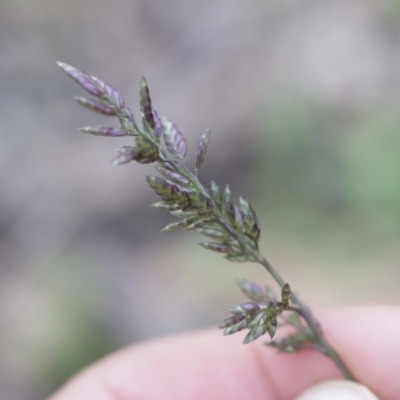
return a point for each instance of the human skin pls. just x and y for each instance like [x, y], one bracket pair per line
[206, 365]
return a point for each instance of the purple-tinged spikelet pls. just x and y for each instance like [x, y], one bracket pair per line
[83, 79]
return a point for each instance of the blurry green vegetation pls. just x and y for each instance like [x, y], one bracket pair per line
[82, 336]
[83, 344]
[328, 172]
[373, 164]
[394, 8]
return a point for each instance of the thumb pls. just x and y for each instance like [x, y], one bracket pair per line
[337, 389]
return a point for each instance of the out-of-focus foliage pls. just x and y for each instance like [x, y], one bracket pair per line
[328, 164]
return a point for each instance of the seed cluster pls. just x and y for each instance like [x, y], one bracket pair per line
[232, 228]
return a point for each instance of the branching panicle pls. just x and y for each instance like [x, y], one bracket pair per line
[260, 314]
[231, 229]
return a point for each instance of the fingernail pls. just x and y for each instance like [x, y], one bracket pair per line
[337, 390]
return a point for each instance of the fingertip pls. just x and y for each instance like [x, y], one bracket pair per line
[337, 389]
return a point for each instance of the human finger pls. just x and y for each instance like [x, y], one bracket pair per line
[207, 365]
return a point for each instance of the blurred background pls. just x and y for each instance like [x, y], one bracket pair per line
[303, 99]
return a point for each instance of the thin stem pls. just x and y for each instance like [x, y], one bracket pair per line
[328, 350]
[309, 318]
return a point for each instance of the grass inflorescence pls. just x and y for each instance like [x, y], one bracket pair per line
[230, 228]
